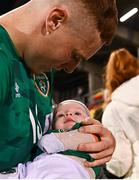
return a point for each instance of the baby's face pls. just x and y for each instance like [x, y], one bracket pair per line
[69, 114]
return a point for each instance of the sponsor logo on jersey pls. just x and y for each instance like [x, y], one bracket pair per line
[17, 95]
[42, 84]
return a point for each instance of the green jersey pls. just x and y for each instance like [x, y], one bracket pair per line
[25, 100]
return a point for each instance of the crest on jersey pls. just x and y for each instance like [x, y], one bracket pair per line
[42, 84]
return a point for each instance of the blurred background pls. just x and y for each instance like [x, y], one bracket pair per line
[86, 83]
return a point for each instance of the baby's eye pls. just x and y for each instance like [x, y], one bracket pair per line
[78, 113]
[60, 115]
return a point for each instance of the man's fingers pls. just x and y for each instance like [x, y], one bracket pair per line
[90, 121]
[95, 147]
[102, 154]
[97, 162]
[93, 129]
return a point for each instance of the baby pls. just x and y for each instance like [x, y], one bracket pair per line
[60, 145]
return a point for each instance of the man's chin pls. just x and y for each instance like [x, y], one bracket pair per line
[37, 72]
[68, 71]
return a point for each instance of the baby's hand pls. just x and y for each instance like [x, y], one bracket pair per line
[72, 139]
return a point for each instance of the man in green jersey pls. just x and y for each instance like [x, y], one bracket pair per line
[35, 38]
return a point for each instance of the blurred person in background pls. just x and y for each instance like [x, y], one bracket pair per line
[121, 116]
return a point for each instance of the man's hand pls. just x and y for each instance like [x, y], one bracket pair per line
[102, 150]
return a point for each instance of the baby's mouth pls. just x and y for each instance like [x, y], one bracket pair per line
[68, 120]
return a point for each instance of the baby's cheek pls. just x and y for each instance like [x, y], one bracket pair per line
[59, 124]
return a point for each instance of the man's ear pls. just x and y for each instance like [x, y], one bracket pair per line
[55, 19]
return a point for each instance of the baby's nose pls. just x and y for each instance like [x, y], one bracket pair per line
[68, 114]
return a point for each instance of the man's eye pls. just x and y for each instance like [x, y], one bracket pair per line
[76, 57]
